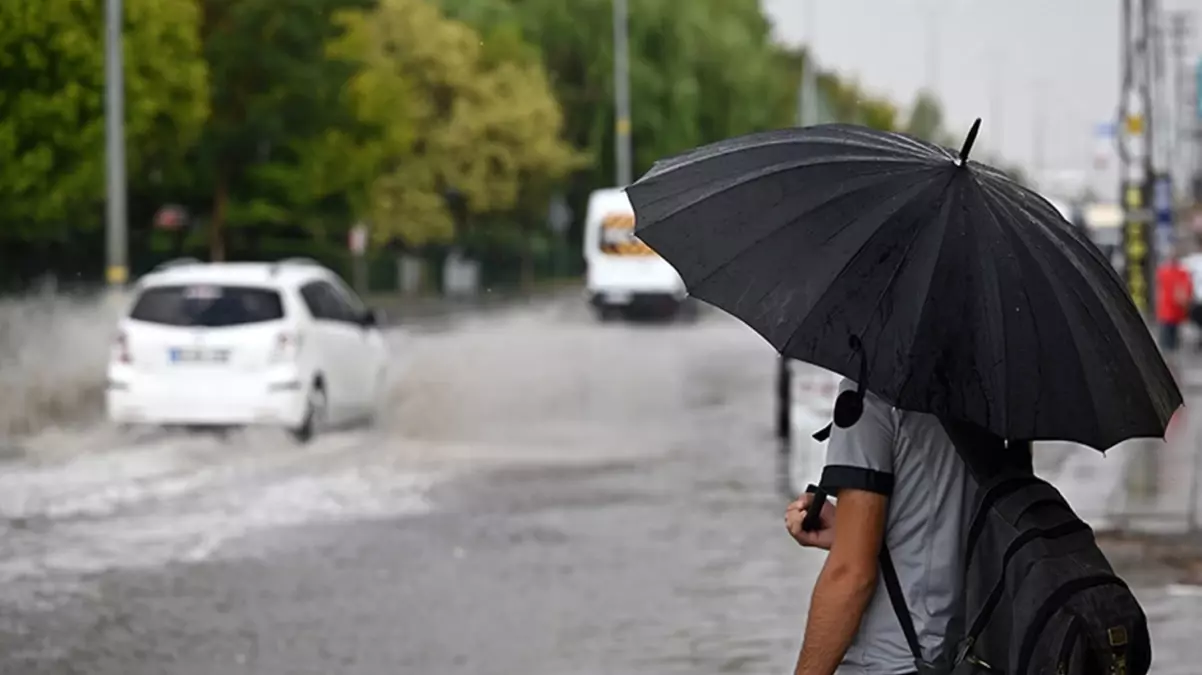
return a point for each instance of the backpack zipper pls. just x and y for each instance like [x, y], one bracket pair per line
[1052, 604]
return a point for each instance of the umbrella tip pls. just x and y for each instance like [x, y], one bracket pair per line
[972, 137]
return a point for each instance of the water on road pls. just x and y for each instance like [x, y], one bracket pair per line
[542, 494]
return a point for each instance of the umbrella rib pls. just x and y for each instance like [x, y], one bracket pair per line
[773, 170]
[901, 263]
[1001, 306]
[1093, 404]
[897, 271]
[722, 149]
[888, 285]
[773, 232]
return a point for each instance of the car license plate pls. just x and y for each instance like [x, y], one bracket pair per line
[188, 355]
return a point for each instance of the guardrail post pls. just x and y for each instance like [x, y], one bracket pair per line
[784, 426]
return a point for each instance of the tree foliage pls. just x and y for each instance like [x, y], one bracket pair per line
[52, 132]
[276, 95]
[479, 120]
[926, 118]
[435, 121]
[695, 66]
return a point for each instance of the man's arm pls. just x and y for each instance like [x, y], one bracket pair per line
[846, 583]
[859, 470]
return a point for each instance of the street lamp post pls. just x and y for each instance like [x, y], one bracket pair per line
[807, 108]
[622, 146]
[116, 244]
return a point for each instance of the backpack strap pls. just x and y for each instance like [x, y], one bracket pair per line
[896, 597]
[984, 455]
[898, 600]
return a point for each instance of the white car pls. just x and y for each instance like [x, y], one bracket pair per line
[283, 344]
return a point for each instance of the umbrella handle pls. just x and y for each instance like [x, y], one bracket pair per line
[813, 519]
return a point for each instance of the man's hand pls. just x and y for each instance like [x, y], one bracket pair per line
[795, 515]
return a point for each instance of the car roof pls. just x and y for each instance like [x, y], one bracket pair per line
[275, 274]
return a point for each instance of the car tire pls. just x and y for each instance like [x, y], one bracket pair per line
[607, 313]
[316, 405]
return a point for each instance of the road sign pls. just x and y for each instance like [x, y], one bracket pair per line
[170, 217]
[1162, 212]
[1162, 198]
[357, 239]
[1105, 131]
[559, 215]
[1135, 125]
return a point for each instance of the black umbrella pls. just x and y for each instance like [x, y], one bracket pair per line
[936, 282]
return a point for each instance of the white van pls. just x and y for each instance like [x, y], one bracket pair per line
[624, 274]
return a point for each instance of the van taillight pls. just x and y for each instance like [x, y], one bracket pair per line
[122, 347]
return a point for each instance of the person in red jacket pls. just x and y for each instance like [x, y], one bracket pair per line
[1174, 291]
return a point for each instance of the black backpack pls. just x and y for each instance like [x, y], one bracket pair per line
[1040, 597]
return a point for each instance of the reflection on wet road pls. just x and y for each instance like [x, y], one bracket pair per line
[544, 495]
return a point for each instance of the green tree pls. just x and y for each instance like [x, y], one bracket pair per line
[276, 96]
[926, 118]
[694, 68]
[701, 71]
[479, 121]
[852, 104]
[52, 142]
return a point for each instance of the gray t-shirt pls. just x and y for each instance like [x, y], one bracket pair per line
[909, 457]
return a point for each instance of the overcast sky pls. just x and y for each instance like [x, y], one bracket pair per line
[1053, 65]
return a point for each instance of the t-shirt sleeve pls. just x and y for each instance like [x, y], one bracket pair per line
[861, 456]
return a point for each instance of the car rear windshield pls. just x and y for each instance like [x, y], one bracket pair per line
[209, 306]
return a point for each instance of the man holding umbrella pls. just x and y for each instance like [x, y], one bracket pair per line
[892, 467]
[969, 320]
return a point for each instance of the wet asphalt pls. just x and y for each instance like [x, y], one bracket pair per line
[544, 495]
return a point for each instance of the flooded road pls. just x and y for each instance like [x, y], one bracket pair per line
[543, 495]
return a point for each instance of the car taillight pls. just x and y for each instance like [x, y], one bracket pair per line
[287, 346]
[121, 345]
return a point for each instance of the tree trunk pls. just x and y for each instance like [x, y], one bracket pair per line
[221, 200]
[527, 271]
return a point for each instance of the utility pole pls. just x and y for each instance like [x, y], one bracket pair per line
[1183, 106]
[1134, 145]
[1160, 146]
[932, 47]
[623, 172]
[807, 105]
[1039, 122]
[116, 235]
[996, 105]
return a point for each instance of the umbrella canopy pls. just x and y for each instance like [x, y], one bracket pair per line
[934, 281]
